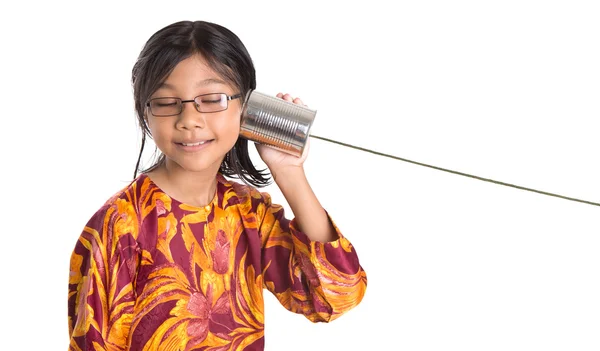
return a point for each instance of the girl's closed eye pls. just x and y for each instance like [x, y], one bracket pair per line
[212, 99]
[161, 104]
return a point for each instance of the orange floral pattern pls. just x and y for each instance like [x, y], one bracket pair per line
[151, 273]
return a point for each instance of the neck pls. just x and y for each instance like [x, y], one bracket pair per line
[192, 188]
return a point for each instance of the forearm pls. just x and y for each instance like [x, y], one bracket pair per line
[310, 215]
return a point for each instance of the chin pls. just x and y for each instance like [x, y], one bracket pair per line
[199, 162]
[199, 166]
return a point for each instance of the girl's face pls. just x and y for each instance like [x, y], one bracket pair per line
[216, 131]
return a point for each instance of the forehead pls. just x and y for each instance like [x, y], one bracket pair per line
[191, 74]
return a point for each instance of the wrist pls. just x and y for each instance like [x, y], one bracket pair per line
[288, 173]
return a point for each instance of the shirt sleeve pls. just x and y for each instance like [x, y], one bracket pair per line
[101, 296]
[321, 280]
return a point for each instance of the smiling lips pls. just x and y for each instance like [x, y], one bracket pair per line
[194, 145]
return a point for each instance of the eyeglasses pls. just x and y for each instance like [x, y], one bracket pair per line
[206, 103]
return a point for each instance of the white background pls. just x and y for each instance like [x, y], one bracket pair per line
[507, 90]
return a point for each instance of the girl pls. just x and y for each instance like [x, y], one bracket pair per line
[178, 259]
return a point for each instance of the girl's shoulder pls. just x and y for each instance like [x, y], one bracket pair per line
[116, 217]
[134, 192]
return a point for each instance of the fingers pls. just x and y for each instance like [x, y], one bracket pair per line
[288, 97]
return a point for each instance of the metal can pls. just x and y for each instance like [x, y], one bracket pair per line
[275, 122]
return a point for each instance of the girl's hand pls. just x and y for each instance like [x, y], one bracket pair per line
[277, 160]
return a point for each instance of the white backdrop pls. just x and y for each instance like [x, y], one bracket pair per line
[506, 90]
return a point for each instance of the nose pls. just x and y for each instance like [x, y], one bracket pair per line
[190, 118]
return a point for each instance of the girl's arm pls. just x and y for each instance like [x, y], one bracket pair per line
[310, 215]
[288, 172]
[321, 280]
[308, 264]
[101, 300]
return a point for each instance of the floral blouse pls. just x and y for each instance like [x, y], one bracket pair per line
[151, 273]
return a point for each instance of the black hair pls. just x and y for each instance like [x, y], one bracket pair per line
[225, 54]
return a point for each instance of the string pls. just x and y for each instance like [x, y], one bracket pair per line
[455, 172]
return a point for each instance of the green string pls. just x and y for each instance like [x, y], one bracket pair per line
[455, 172]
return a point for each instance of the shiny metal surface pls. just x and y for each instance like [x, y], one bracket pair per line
[277, 123]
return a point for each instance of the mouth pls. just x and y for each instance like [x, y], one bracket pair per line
[196, 143]
[194, 146]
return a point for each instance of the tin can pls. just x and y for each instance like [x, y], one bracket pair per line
[277, 123]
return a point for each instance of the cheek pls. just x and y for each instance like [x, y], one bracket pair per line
[159, 129]
[228, 126]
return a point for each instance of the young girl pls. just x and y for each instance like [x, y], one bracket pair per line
[178, 259]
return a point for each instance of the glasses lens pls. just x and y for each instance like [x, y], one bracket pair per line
[165, 106]
[212, 102]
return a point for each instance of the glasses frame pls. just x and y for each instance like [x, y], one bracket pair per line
[196, 104]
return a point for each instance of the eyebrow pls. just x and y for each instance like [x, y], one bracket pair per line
[201, 83]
